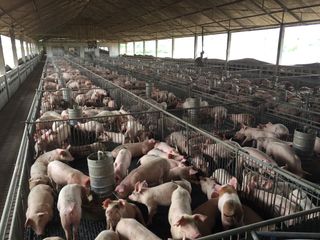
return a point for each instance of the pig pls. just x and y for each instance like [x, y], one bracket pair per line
[284, 154]
[219, 150]
[183, 223]
[131, 229]
[280, 205]
[262, 142]
[131, 128]
[171, 155]
[136, 149]
[155, 172]
[115, 210]
[148, 158]
[209, 209]
[252, 134]
[207, 186]
[69, 205]
[279, 129]
[242, 118]
[219, 114]
[40, 208]
[91, 126]
[57, 154]
[258, 155]
[299, 197]
[38, 174]
[158, 195]
[163, 146]
[81, 99]
[107, 235]
[121, 165]
[179, 140]
[113, 137]
[62, 174]
[182, 172]
[229, 204]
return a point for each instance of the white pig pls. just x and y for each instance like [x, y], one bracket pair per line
[159, 195]
[40, 208]
[107, 235]
[38, 174]
[62, 174]
[180, 216]
[121, 165]
[69, 204]
[57, 154]
[207, 186]
[115, 210]
[131, 229]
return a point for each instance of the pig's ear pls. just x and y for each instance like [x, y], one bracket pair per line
[217, 188]
[28, 222]
[87, 182]
[192, 171]
[136, 186]
[233, 182]
[122, 202]
[199, 217]
[62, 152]
[182, 221]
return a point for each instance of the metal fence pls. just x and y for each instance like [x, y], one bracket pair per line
[272, 192]
[11, 81]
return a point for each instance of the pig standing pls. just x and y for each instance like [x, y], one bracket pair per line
[121, 165]
[115, 210]
[180, 216]
[207, 186]
[284, 154]
[148, 158]
[136, 149]
[182, 172]
[279, 129]
[57, 154]
[130, 229]
[40, 208]
[159, 195]
[252, 134]
[69, 204]
[262, 142]
[107, 235]
[62, 174]
[210, 209]
[38, 174]
[229, 204]
[155, 172]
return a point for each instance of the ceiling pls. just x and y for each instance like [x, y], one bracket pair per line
[127, 20]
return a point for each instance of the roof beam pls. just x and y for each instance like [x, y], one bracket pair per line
[264, 10]
[284, 7]
[15, 7]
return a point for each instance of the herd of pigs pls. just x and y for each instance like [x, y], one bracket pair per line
[282, 97]
[162, 174]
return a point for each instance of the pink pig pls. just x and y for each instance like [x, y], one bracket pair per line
[183, 223]
[69, 204]
[63, 174]
[121, 165]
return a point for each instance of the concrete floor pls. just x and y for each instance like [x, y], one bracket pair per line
[12, 118]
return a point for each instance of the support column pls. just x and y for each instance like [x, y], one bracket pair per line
[144, 47]
[279, 52]
[14, 49]
[228, 50]
[49, 51]
[27, 47]
[134, 48]
[195, 46]
[22, 51]
[81, 52]
[156, 47]
[172, 48]
[126, 48]
[2, 62]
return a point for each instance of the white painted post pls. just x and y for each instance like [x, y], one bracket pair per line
[172, 48]
[81, 52]
[195, 46]
[14, 49]
[22, 51]
[3, 68]
[144, 47]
